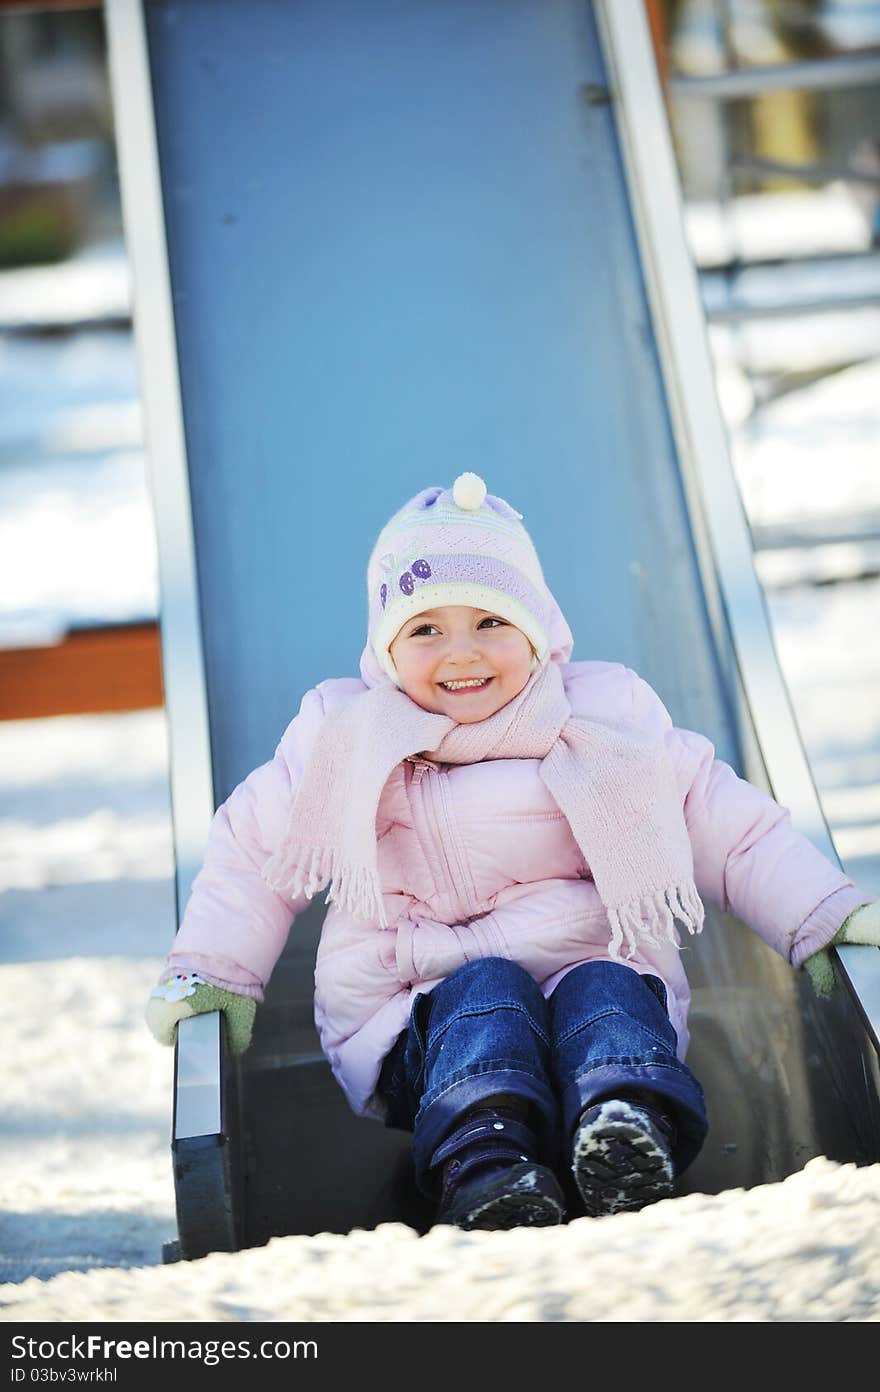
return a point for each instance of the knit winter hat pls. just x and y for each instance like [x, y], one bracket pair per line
[460, 545]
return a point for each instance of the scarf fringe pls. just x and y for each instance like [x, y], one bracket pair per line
[356, 888]
[650, 919]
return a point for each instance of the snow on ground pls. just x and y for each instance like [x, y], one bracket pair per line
[826, 637]
[93, 284]
[806, 1249]
[77, 541]
[87, 908]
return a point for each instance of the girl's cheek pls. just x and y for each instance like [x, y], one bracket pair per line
[422, 669]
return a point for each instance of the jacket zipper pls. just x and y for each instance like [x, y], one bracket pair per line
[441, 788]
[420, 768]
[434, 804]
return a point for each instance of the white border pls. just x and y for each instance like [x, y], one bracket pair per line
[180, 626]
[722, 534]
[197, 1081]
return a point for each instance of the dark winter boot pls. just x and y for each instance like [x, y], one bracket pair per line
[622, 1156]
[489, 1177]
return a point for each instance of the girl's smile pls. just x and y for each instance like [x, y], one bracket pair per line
[470, 684]
[463, 662]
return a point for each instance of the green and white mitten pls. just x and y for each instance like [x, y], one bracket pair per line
[862, 926]
[184, 994]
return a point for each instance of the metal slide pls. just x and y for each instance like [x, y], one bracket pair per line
[375, 244]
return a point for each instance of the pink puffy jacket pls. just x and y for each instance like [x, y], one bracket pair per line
[477, 860]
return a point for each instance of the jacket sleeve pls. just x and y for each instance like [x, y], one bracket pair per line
[748, 858]
[235, 927]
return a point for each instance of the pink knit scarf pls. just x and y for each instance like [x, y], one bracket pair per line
[614, 785]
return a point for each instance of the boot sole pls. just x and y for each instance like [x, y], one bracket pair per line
[620, 1167]
[526, 1196]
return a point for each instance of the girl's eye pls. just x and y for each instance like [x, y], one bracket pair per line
[425, 629]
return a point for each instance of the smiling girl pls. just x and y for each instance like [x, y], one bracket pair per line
[511, 843]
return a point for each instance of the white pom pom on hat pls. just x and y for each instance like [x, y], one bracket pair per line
[469, 492]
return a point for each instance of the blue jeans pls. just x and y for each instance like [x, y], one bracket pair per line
[487, 1029]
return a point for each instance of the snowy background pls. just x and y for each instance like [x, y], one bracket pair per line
[86, 897]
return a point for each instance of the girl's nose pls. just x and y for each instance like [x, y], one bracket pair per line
[463, 648]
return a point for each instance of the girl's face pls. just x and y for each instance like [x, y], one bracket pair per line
[437, 652]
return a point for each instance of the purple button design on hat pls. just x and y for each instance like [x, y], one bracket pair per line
[383, 594]
[421, 569]
[406, 583]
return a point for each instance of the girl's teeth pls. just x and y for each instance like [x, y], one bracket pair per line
[460, 686]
